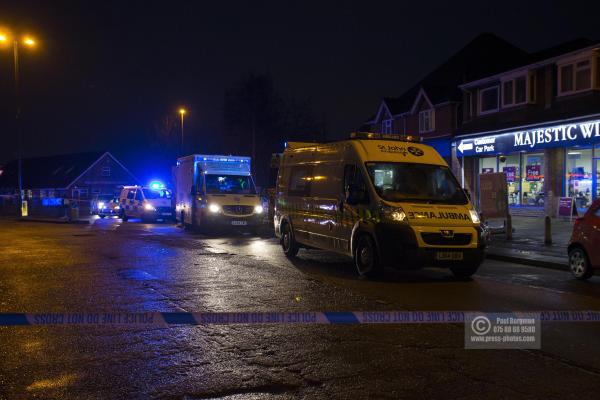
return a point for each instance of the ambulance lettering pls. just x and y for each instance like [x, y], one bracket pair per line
[438, 215]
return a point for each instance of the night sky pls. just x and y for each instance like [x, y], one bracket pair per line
[104, 72]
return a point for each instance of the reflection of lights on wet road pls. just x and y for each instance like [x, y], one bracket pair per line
[258, 245]
[61, 381]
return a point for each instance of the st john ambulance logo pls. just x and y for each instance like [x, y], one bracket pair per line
[415, 151]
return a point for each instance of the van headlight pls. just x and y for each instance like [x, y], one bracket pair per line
[214, 208]
[395, 214]
[149, 207]
[474, 216]
[258, 209]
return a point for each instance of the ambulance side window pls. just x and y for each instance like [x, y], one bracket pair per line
[130, 194]
[138, 195]
[300, 178]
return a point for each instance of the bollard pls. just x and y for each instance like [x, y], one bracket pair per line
[547, 230]
[508, 227]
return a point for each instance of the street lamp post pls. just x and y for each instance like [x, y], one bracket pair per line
[182, 112]
[29, 42]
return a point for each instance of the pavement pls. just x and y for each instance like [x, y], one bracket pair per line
[527, 245]
[110, 265]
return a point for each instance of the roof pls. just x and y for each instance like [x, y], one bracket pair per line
[485, 55]
[48, 172]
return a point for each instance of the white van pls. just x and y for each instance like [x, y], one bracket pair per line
[217, 191]
[383, 202]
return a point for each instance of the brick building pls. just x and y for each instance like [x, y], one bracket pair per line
[538, 123]
[432, 108]
[49, 180]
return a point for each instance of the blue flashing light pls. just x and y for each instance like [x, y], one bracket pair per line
[156, 185]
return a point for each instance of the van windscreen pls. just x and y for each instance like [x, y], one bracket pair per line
[415, 182]
[236, 184]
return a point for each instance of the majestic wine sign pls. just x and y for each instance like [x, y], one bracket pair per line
[544, 137]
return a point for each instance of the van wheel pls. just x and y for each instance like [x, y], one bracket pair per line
[579, 264]
[366, 260]
[464, 272]
[288, 243]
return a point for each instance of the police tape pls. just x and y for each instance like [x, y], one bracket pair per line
[166, 319]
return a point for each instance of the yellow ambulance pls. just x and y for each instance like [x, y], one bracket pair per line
[384, 200]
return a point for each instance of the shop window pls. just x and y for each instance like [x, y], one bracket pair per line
[426, 121]
[488, 100]
[514, 91]
[487, 165]
[532, 181]
[575, 77]
[579, 176]
[510, 165]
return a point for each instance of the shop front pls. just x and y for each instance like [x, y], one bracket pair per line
[541, 163]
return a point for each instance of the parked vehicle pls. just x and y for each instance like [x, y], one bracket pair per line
[147, 203]
[104, 205]
[584, 252]
[383, 202]
[215, 191]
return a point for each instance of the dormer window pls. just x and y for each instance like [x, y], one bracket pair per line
[386, 126]
[574, 77]
[426, 121]
[488, 100]
[514, 91]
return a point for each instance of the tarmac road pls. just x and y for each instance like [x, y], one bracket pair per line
[114, 266]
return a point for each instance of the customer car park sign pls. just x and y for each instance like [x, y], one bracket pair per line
[526, 140]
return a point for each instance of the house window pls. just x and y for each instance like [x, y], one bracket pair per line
[488, 100]
[105, 171]
[514, 91]
[575, 77]
[386, 126]
[426, 121]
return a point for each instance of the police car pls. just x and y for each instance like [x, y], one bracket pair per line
[149, 203]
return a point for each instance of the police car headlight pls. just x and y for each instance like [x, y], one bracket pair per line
[474, 216]
[149, 207]
[258, 209]
[214, 208]
[395, 214]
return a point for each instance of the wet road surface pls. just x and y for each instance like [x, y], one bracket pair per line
[115, 266]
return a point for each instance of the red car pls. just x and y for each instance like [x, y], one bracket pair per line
[584, 246]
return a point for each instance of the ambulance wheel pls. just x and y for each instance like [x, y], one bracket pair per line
[464, 272]
[366, 260]
[101, 215]
[288, 243]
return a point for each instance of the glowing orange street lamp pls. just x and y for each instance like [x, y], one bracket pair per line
[27, 41]
[182, 112]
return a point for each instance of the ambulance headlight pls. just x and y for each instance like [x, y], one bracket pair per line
[395, 214]
[214, 208]
[101, 205]
[149, 207]
[258, 209]
[117, 208]
[474, 216]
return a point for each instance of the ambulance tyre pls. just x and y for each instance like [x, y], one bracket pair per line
[366, 260]
[288, 243]
[464, 272]
[101, 215]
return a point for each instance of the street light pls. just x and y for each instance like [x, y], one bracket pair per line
[182, 112]
[27, 41]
